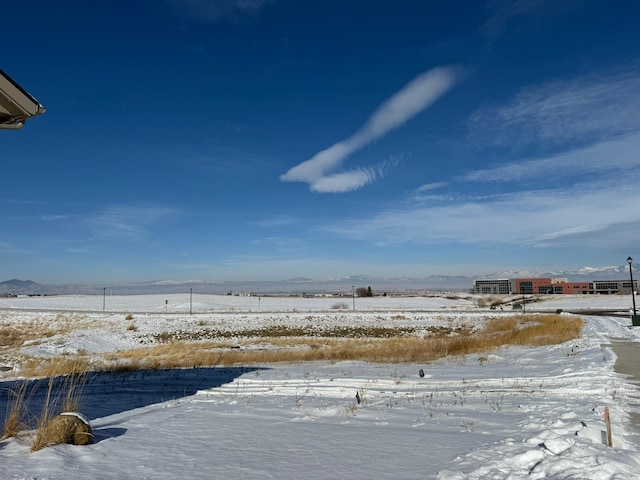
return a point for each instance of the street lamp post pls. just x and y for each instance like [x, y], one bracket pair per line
[633, 297]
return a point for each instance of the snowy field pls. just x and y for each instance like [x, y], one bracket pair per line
[518, 413]
[181, 303]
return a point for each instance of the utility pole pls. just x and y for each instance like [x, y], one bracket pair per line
[353, 295]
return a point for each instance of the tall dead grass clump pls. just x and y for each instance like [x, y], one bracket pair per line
[16, 420]
[43, 420]
[72, 391]
[63, 395]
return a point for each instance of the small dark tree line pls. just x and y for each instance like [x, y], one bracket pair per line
[364, 292]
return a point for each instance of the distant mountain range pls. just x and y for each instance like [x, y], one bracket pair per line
[301, 285]
[579, 274]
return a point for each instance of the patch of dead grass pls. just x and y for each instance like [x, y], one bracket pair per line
[16, 332]
[293, 346]
[277, 344]
[56, 366]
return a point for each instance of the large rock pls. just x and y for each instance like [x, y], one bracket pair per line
[69, 427]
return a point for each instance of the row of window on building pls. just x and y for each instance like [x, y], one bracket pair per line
[557, 286]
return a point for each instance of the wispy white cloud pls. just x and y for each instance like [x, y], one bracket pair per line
[218, 10]
[126, 222]
[585, 109]
[280, 242]
[581, 194]
[503, 10]
[415, 97]
[276, 221]
[80, 251]
[353, 179]
[427, 187]
[344, 181]
[610, 157]
[585, 189]
[583, 213]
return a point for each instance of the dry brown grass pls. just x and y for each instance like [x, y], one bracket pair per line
[57, 366]
[319, 331]
[63, 394]
[15, 420]
[71, 391]
[36, 330]
[15, 335]
[207, 347]
[67, 376]
[378, 345]
[44, 419]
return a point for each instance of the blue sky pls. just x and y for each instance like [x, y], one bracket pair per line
[271, 139]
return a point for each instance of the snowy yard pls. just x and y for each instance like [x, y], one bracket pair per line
[517, 413]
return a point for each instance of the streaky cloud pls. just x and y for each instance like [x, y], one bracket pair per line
[416, 96]
[504, 10]
[583, 214]
[582, 110]
[344, 181]
[610, 157]
[218, 10]
[427, 187]
[353, 179]
[130, 223]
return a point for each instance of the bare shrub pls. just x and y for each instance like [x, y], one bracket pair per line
[340, 306]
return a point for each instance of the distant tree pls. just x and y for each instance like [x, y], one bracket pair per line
[364, 292]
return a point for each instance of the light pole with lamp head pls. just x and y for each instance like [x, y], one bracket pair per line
[633, 298]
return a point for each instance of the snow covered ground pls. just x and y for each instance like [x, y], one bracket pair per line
[518, 413]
